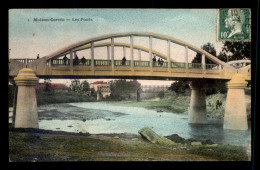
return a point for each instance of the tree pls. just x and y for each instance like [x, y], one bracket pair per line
[237, 50]
[121, 89]
[179, 87]
[210, 49]
[75, 85]
[215, 86]
[85, 86]
[161, 94]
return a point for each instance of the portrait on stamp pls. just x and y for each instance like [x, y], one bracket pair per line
[234, 24]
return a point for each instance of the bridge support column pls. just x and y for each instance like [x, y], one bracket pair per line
[26, 108]
[99, 96]
[197, 111]
[235, 112]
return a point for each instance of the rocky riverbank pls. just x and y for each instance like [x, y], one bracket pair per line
[33, 145]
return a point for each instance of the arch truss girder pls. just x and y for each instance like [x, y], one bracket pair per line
[128, 34]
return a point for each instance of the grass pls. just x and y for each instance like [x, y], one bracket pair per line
[171, 103]
[25, 147]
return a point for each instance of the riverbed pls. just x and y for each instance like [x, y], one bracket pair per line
[108, 118]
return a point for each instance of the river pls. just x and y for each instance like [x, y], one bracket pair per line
[107, 118]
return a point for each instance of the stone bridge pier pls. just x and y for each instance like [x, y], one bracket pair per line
[235, 112]
[197, 110]
[26, 108]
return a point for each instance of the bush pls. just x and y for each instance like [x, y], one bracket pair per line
[179, 87]
[161, 94]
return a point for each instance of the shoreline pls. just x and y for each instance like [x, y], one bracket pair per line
[34, 145]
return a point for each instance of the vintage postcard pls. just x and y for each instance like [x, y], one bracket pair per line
[129, 85]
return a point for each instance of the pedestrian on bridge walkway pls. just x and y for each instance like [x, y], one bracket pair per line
[65, 59]
[161, 62]
[38, 56]
[123, 60]
[76, 60]
[154, 60]
[83, 60]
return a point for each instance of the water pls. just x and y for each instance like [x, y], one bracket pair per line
[101, 117]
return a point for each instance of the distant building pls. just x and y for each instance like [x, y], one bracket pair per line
[54, 86]
[102, 87]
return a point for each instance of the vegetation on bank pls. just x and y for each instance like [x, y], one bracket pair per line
[62, 96]
[37, 147]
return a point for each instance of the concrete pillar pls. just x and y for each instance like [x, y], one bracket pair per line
[108, 53]
[71, 58]
[99, 95]
[92, 54]
[14, 102]
[26, 108]
[235, 112]
[139, 55]
[150, 51]
[132, 50]
[197, 111]
[186, 57]
[169, 53]
[124, 53]
[203, 62]
[219, 67]
[112, 52]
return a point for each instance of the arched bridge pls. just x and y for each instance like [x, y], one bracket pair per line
[53, 66]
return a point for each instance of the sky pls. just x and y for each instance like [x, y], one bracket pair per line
[28, 37]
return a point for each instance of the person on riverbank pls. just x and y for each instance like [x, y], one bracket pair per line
[38, 56]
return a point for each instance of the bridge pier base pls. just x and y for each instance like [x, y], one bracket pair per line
[26, 107]
[197, 111]
[235, 117]
[99, 96]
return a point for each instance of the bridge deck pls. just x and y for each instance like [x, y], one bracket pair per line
[140, 70]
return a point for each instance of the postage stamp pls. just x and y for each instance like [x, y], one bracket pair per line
[234, 24]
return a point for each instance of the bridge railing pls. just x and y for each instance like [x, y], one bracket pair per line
[212, 66]
[141, 63]
[24, 60]
[55, 62]
[163, 64]
[119, 63]
[194, 65]
[177, 65]
[30, 60]
[102, 62]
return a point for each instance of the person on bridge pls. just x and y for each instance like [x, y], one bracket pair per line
[154, 60]
[76, 60]
[65, 59]
[38, 56]
[83, 60]
[123, 60]
[161, 62]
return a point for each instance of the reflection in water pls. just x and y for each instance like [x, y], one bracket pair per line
[101, 117]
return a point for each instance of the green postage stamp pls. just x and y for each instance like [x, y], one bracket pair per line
[234, 24]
